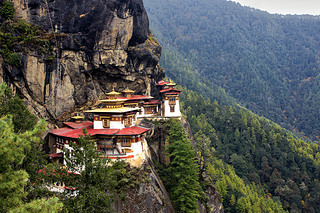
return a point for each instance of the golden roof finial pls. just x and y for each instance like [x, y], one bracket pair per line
[77, 117]
[127, 90]
[113, 94]
[171, 83]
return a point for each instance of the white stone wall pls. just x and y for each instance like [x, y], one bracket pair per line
[136, 147]
[142, 114]
[98, 124]
[167, 112]
[116, 125]
[69, 148]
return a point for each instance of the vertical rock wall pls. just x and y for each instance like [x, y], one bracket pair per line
[97, 43]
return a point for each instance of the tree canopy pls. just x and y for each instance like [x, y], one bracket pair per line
[286, 168]
[268, 63]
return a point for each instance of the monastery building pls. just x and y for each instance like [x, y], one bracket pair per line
[115, 125]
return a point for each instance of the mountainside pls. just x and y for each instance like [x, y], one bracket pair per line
[93, 45]
[268, 63]
[77, 54]
[60, 56]
[264, 155]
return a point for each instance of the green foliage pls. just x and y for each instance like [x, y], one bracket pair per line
[7, 9]
[238, 196]
[181, 175]
[52, 205]
[268, 63]
[17, 36]
[261, 152]
[23, 120]
[13, 179]
[11, 104]
[127, 178]
[93, 181]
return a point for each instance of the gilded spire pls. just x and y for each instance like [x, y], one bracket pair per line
[113, 94]
[77, 117]
[127, 90]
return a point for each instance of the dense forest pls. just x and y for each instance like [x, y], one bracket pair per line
[260, 151]
[191, 170]
[268, 63]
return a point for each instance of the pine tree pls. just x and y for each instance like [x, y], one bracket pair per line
[13, 179]
[22, 120]
[11, 104]
[182, 172]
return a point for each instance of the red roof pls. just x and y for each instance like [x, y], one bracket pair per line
[75, 133]
[153, 102]
[53, 172]
[162, 82]
[134, 130]
[56, 155]
[172, 93]
[80, 125]
[61, 131]
[124, 157]
[67, 132]
[170, 89]
[102, 131]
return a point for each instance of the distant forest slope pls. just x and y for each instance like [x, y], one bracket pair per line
[260, 151]
[268, 63]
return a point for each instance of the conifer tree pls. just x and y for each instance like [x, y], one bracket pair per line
[11, 104]
[13, 179]
[182, 172]
[22, 120]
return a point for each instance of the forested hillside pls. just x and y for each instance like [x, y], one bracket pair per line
[188, 180]
[261, 152]
[268, 63]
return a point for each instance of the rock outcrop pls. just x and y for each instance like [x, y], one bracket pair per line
[149, 195]
[97, 43]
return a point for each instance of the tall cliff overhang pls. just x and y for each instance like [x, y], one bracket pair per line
[97, 43]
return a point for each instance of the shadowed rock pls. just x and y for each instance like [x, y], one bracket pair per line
[97, 43]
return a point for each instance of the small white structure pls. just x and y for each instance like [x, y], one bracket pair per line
[170, 99]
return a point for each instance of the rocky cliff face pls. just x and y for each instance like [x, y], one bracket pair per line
[149, 195]
[97, 43]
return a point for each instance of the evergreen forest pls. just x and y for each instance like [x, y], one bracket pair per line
[262, 154]
[268, 63]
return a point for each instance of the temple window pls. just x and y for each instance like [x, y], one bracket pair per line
[128, 121]
[172, 100]
[125, 142]
[106, 123]
[149, 110]
[172, 108]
